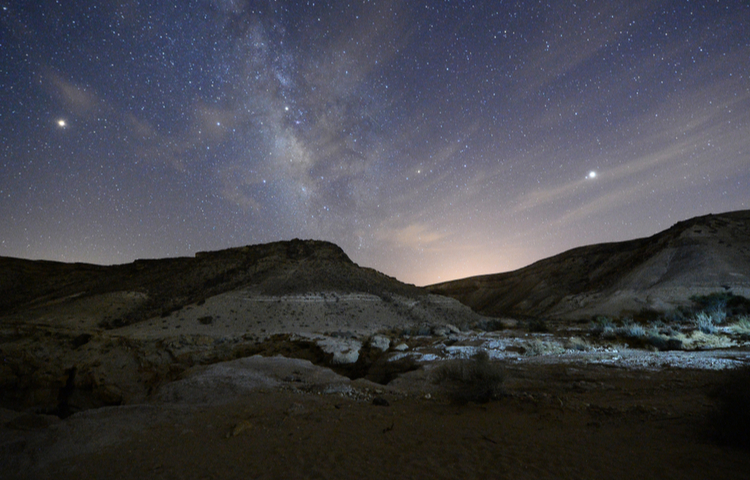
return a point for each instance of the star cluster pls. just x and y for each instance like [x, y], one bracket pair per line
[430, 140]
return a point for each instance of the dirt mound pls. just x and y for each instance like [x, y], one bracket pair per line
[695, 257]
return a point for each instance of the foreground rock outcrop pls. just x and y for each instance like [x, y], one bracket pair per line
[695, 257]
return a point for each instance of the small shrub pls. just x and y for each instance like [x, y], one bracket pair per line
[705, 341]
[600, 325]
[726, 302]
[680, 315]
[537, 347]
[477, 379]
[657, 341]
[668, 330]
[718, 315]
[609, 333]
[742, 327]
[603, 327]
[712, 301]
[630, 329]
[664, 342]
[578, 344]
[704, 322]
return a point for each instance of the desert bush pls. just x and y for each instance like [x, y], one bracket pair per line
[603, 327]
[704, 322]
[680, 315]
[537, 347]
[600, 323]
[630, 329]
[665, 329]
[477, 379]
[698, 340]
[731, 420]
[718, 303]
[664, 342]
[712, 301]
[577, 343]
[742, 327]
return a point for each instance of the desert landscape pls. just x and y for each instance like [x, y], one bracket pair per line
[288, 360]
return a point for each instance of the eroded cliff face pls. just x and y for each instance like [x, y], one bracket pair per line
[694, 257]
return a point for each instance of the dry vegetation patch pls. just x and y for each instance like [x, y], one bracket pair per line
[477, 379]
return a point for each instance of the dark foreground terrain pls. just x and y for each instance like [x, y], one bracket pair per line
[553, 421]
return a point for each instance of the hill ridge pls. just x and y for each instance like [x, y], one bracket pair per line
[277, 268]
[694, 256]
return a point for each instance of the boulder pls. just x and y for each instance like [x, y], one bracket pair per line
[344, 350]
[380, 342]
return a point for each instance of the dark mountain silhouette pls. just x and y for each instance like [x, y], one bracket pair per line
[694, 257]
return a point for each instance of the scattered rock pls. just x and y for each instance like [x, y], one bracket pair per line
[344, 350]
[453, 328]
[379, 342]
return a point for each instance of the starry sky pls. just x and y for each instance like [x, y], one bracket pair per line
[431, 140]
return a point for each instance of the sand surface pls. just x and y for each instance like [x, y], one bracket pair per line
[554, 421]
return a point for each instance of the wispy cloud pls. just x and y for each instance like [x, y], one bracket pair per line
[81, 100]
[411, 236]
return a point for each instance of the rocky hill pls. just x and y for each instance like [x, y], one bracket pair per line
[694, 257]
[77, 336]
[280, 268]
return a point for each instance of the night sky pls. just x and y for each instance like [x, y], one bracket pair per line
[431, 140]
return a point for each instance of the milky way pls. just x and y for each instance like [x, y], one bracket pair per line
[430, 140]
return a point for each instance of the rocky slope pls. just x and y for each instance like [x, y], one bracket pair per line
[165, 285]
[75, 336]
[694, 257]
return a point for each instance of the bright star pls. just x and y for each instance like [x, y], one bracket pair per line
[61, 123]
[591, 175]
